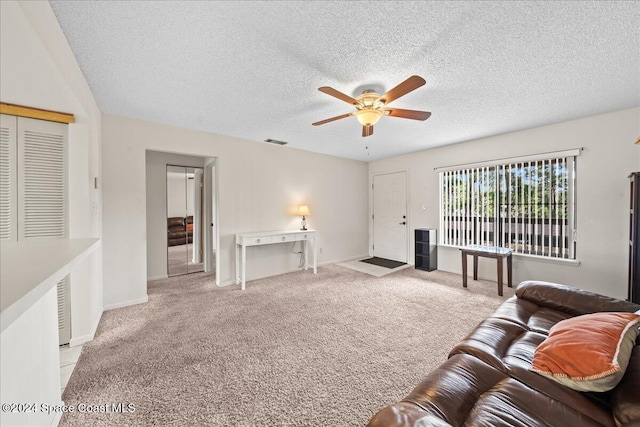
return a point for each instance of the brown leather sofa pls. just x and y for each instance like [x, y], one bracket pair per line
[178, 232]
[486, 380]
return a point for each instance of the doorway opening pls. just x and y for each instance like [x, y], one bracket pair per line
[185, 220]
[179, 212]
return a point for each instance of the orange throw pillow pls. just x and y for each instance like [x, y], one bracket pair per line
[589, 352]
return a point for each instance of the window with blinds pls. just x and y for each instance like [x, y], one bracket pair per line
[526, 206]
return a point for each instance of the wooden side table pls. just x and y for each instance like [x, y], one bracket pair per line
[488, 252]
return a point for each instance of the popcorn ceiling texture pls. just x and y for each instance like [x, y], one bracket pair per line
[252, 69]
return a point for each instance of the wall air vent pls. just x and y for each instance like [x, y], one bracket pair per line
[275, 141]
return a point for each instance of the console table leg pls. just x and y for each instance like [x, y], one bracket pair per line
[237, 264]
[244, 266]
[464, 269]
[315, 256]
[499, 275]
[509, 272]
[475, 267]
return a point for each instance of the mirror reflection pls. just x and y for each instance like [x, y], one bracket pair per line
[184, 220]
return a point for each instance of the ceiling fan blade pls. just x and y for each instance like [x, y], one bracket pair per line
[408, 114]
[321, 122]
[367, 130]
[412, 83]
[337, 94]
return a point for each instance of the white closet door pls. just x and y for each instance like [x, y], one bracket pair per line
[42, 181]
[8, 179]
[42, 195]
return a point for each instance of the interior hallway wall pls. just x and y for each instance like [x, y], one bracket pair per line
[259, 185]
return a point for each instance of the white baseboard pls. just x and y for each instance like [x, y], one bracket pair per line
[336, 261]
[76, 341]
[230, 282]
[57, 416]
[127, 303]
[164, 276]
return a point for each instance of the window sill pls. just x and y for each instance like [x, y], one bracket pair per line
[561, 261]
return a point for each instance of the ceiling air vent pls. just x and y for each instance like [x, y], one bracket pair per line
[275, 141]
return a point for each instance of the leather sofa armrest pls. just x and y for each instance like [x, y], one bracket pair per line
[625, 399]
[571, 300]
[405, 414]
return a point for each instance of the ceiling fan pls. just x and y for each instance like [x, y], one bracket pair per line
[370, 106]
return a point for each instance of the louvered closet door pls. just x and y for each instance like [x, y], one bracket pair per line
[64, 316]
[42, 181]
[8, 180]
[42, 190]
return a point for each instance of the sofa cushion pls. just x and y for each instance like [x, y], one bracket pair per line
[570, 300]
[589, 352]
[529, 315]
[466, 391]
[625, 398]
[176, 221]
[510, 347]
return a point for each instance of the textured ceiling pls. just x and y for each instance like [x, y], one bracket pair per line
[252, 69]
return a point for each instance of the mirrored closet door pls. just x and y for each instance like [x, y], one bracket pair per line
[184, 220]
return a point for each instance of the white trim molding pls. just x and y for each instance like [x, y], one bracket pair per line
[122, 304]
[82, 339]
[494, 162]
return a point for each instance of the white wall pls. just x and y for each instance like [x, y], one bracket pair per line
[176, 194]
[258, 184]
[180, 193]
[30, 363]
[602, 195]
[38, 69]
[156, 212]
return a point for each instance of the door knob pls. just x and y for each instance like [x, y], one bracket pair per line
[403, 223]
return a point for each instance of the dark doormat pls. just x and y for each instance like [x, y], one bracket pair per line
[383, 262]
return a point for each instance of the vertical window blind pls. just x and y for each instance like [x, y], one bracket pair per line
[527, 206]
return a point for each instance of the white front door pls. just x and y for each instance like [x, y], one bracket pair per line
[390, 216]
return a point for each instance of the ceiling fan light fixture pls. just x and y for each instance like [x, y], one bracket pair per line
[370, 106]
[369, 116]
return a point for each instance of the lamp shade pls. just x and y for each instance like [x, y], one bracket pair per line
[368, 116]
[303, 210]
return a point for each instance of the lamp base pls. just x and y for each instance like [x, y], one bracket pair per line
[304, 224]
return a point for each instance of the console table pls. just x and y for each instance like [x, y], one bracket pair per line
[269, 238]
[489, 252]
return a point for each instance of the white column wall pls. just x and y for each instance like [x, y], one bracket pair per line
[30, 363]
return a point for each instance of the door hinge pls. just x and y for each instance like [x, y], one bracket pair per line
[372, 216]
[372, 186]
[373, 247]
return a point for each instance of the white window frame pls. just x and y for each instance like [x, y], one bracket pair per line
[451, 225]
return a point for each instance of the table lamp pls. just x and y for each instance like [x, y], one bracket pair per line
[303, 211]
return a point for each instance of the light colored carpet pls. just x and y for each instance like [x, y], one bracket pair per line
[292, 350]
[180, 260]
